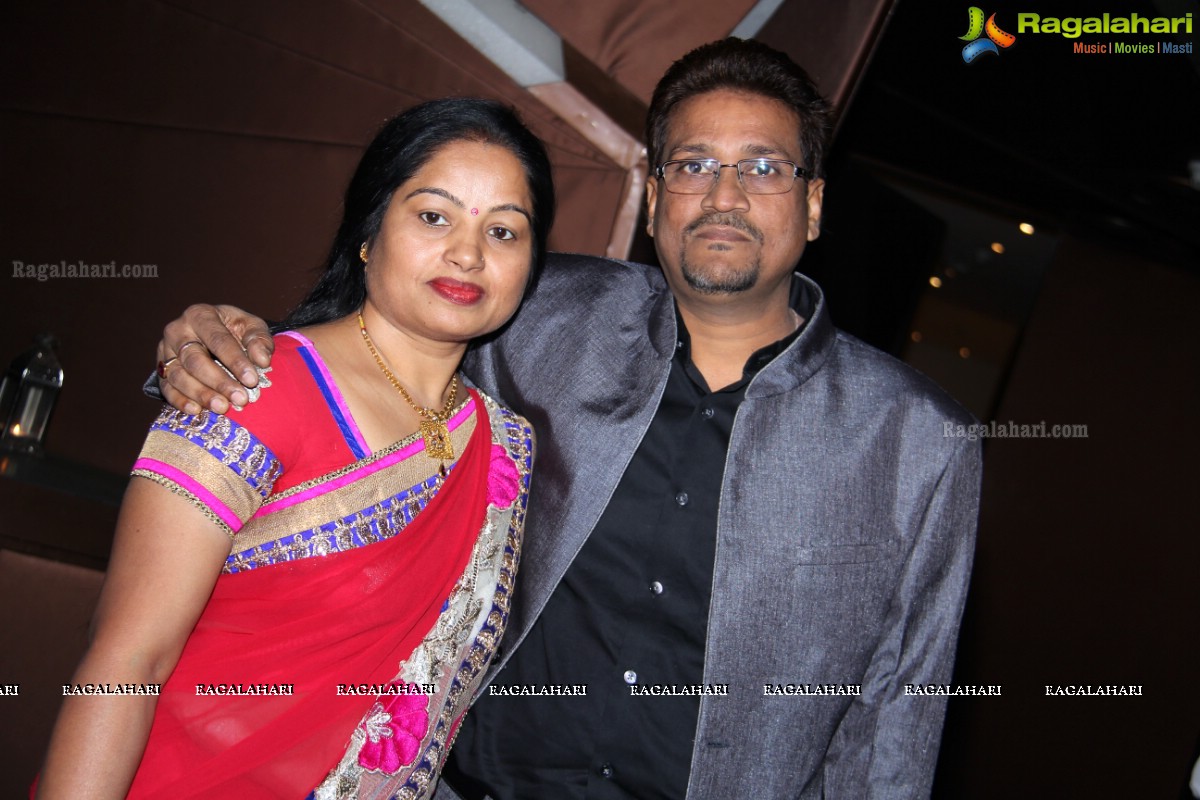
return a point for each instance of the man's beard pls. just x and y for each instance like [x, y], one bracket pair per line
[729, 281]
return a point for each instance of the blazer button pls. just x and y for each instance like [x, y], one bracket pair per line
[606, 770]
[630, 677]
[656, 588]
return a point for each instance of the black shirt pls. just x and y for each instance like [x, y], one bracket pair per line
[632, 609]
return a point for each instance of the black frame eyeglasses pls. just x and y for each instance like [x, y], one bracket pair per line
[755, 175]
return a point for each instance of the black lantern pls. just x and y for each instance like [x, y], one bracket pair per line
[28, 394]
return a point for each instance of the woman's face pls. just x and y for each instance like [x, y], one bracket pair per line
[453, 254]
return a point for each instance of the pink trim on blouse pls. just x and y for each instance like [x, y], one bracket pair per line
[187, 482]
[334, 391]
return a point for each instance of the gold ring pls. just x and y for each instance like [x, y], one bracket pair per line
[162, 366]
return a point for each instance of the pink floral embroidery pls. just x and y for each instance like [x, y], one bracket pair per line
[395, 727]
[503, 480]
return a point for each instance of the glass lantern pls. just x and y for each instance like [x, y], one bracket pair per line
[27, 396]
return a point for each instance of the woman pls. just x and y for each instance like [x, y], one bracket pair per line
[319, 580]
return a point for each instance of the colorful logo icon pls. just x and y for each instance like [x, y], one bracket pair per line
[976, 27]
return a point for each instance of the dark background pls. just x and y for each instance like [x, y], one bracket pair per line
[213, 140]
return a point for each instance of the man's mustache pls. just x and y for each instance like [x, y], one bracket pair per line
[734, 221]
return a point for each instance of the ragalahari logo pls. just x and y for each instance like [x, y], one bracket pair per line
[976, 27]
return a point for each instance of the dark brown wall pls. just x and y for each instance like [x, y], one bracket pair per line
[1086, 571]
[47, 606]
[212, 140]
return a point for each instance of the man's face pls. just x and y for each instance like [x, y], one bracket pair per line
[728, 242]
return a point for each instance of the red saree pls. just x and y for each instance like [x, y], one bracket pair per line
[364, 597]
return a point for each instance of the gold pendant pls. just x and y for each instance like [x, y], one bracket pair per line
[437, 439]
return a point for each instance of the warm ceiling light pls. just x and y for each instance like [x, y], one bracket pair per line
[935, 282]
[964, 352]
[997, 248]
[915, 336]
[1026, 228]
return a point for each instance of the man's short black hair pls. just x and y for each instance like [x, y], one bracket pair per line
[743, 65]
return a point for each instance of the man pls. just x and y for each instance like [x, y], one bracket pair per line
[730, 494]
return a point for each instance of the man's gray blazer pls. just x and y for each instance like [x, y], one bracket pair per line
[844, 538]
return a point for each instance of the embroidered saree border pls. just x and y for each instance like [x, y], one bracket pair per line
[471, 669]
[352, 507]
[390, 456]
[223, 469]
[455, 653]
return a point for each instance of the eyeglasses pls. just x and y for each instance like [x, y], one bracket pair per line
[756, 175]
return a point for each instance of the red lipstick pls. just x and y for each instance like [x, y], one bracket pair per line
[458, 292]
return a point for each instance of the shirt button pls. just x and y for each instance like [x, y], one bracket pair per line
[656, 587]
[606, 770]
[630, 677]
[706, 413]
[681, 499]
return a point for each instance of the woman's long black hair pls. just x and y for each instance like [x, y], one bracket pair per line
[404, 145]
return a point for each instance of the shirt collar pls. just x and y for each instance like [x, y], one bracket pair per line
[800, 299]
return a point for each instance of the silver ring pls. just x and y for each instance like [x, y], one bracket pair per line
[187, 344]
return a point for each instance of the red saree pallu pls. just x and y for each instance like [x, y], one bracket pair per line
[222, 729]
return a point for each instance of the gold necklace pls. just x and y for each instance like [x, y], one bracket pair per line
[433, 423]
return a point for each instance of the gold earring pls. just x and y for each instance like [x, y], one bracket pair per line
[362, 252]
